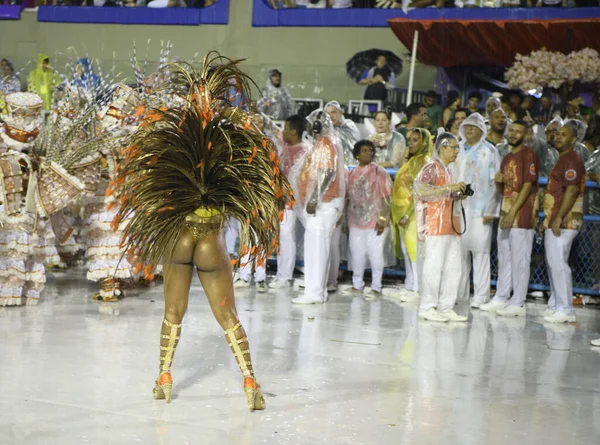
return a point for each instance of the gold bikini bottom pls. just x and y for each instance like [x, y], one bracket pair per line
[204, 222]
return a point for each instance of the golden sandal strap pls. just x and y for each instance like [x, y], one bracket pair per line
[169, 324]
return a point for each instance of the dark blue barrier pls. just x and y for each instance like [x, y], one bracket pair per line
[10, 12]
[264, 15]
[217, 14]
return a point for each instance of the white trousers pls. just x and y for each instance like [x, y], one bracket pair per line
[481, 275]
[411, 281]
[514, 260]
[245, 272]
[286, 257]
[334, 256]
[557, 250]
[366, 245]
[442, 267]
[318, 232]
[232, 229]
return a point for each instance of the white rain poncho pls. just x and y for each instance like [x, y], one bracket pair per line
[348, 134]
[477, 166]
[369, 194]
[276, 101]
[318, 177]
[593, 195]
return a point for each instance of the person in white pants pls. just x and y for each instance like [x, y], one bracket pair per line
[318, 180]
[517, 182]
[477, 163]
[438, 232]
[368, 208]
[293, 151]
[563, 217]
[244, 274]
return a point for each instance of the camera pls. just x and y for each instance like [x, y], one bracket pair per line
[469, 191]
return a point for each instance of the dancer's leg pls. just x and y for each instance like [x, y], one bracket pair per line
[214, 271]
[178, 279]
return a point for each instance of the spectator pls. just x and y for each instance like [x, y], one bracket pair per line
[346, 130]
[474, 101]
[517, 182]
[529, 104]
[276, 101]
[477, 163]
[42, 80]
[319, 182]
[434, 110]
[437, 231]
[497, 123]
[378, 80]
[452, 104]
[592, 135]
[293, 151]
[368, 210]
[389, 145]
[9, 81]
[581, 130]
[460, 115]
[547, 153]
[415, 118]
[452, 127]
[515, 100]
[545, 110]
[563, 217]
[504, 103]
[337, 4]
[403, 210]
[491, 105]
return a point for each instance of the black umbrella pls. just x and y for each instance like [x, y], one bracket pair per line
[365, 60]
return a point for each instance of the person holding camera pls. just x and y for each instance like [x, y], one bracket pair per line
[517, 182]
[476, 165]
[438, 232]
[318, 180]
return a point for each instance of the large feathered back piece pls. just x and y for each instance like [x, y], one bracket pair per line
[194, 159]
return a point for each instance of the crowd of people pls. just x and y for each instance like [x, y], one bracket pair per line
[118, 3]
[460, 171]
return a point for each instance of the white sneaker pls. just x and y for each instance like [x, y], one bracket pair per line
[353, 291]
[512, 311]
[559, 317]
[261, 287]
[453, 316]
[595, 342]
[241, 284]
[546, 312]
[305, 300]
[409, 296]
[331, 287]
[373, 295]
[477, 302]
[537, 294]
[493, 306]
[280, 284]
[432, 315]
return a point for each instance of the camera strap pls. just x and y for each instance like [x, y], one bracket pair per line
[462, 211]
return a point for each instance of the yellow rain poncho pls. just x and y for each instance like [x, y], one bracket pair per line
[402, 197]
[42, 82]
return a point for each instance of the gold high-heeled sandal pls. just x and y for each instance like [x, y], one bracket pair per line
[256, 401]
[164, 383]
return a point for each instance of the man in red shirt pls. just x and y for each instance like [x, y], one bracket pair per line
[563, 217]
[517, 182]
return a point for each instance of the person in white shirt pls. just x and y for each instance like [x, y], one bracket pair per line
[477, 164]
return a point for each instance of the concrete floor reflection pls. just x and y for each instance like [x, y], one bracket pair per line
[73, 371]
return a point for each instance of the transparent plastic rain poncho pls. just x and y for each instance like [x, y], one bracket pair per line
[593, 195]
[477, 166]
[392, 153]
[402, 197]
[347, 133]
[435, 214]
[369, 196]
[276, 101]
[318, 177]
